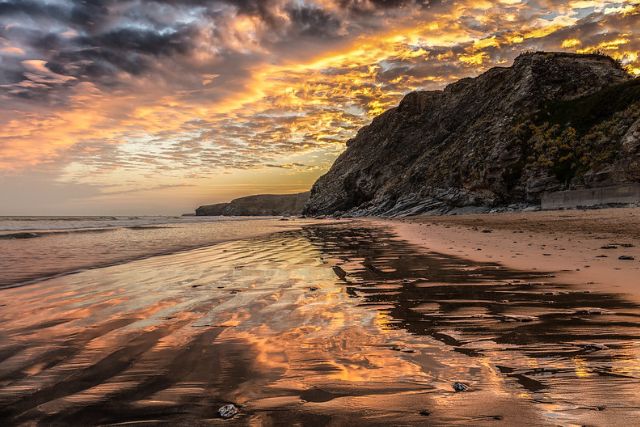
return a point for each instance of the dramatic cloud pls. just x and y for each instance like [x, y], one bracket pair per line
[119, 95]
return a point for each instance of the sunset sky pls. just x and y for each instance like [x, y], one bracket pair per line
[155, 107]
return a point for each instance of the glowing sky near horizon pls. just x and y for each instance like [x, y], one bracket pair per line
[142, 107]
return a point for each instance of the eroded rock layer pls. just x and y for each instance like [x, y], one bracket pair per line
[552, 121]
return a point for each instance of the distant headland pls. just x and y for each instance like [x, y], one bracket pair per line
[258, 205]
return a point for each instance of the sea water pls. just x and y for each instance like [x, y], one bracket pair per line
[33, 248]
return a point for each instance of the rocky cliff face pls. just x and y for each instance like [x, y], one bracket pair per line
[552, 121]
[259, 205]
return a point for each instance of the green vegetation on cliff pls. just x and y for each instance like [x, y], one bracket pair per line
[570, 138]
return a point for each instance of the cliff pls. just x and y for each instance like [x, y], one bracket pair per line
[552, 121]
[259, 205]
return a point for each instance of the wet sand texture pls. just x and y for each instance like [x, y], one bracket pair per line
[327, 325]
[598, 250]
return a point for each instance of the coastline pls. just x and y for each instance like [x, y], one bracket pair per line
[335, 321]
[61, 252]
[576, 246]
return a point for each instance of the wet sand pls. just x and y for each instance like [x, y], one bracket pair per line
[328, 324]
[579, 247]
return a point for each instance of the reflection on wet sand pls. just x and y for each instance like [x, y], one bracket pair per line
[332, 324]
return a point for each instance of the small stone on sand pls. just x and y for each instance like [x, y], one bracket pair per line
[458, 387]
[594, 347]
[228, 411]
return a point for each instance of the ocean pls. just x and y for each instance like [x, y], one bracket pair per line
[33, 248]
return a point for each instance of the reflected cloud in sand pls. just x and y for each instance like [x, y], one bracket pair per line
[340, 322]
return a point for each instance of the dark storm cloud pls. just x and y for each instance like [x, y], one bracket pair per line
[204, 86]
[96, 40]
[33, 9]
[366, 7]
[82, 14]
[87, 40]
[128, 41]
[313, 22]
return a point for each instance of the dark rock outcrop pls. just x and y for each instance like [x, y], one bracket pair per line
[550, 122]
[259, 205]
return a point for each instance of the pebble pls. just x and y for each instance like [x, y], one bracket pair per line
[402, 349]
[609, 247]
[228, 411]
[458, 387]
[626, 258]
[425, 412]
[518, 318]
[594, 347]
[591, 311]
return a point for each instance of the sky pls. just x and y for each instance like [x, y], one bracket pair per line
[131, 107]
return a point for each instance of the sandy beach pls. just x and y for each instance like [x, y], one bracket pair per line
[259, 213]
[579, 247]
[324, 324]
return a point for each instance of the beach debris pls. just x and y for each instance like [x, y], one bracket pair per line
[626, 258]
[594, 347]
[339, 272]
[592, 311]
[518, 318]
[313, 288]
[402, 349]
[228, 411]
[609, 246]
[21, 236]
[425, 412]
[486, 230]
[459, 387]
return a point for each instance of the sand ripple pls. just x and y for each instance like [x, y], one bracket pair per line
[338, 323]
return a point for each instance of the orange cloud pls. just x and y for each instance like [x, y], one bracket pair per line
[242, 101]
